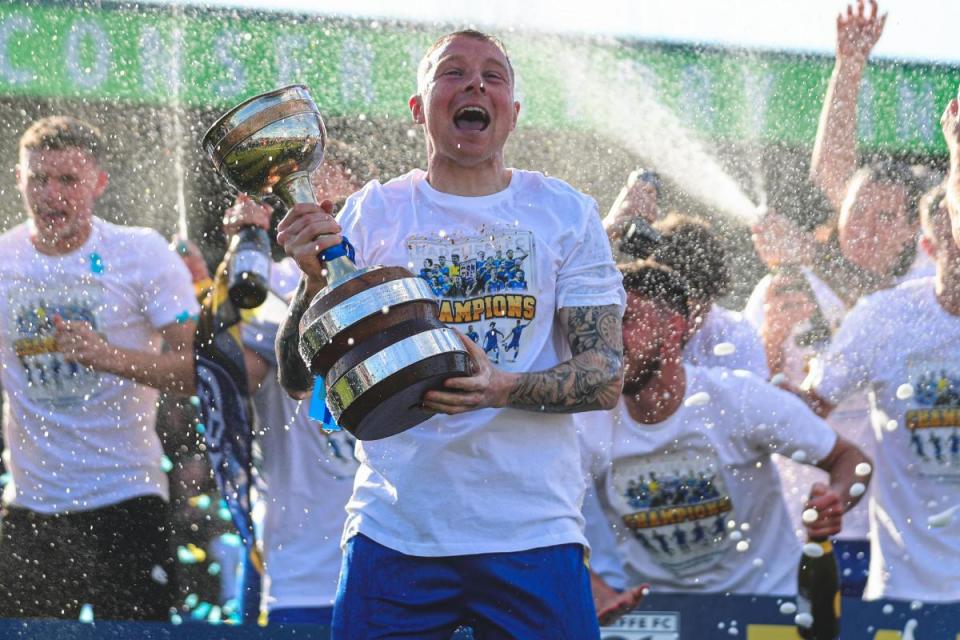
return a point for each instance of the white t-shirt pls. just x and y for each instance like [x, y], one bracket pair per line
[681, 495]
[307, 475]
[503, 265]
[724, 327]
[850, 419]
[78, 439]
[902, 347]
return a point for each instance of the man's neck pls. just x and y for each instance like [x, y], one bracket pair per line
[947, 283]
[57, 246]
[484, 179]
[661, 398]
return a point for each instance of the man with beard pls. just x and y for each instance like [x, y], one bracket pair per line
[706, 435]
[85, 307]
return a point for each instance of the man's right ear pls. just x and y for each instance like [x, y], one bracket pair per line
[416, 109]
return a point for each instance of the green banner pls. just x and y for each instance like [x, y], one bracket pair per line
[192, 57]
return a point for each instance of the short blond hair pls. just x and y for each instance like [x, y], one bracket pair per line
[425, 64]
[62, 132]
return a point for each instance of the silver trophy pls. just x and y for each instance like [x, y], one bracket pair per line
[373, 334]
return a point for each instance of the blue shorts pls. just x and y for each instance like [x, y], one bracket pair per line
[540, 593]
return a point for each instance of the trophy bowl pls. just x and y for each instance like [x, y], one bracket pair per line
[372, 334]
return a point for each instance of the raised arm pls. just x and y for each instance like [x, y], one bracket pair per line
[591, 379]
[835, 149]
[950, 124]
[304, 232]
[833, 500]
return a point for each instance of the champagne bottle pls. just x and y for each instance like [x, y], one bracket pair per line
[818, 592]
[248, 272]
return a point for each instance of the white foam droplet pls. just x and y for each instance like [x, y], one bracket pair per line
[891, 425]
[745, 526]
[724, 349]
[804, 620]
[799, 455]
[736, 535]
[812, 550]
[908, 630]
[742, 546]
[863, 469]
[733, 631]
[778, 379]
[916, 605]
[788, 608]
[758, 562]
[857, 489]
[887, 609]
[158, 575]
[86, 614]
[385, 309]
[809, 516]
[697, 400]
[905, 391]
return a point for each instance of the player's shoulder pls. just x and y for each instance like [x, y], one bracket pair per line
[550, 189]
[726, 385]
[15, 237]
[887, 302]
[375, 196]
[139, 243]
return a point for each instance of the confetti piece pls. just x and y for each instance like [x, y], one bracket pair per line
[184, 556]
[724, 349]
[195, 401]
[5, 479]
[809, 516]
[942, 519]
[698, 399]
[857, 489]
[812, 550]
[778, 379]
[224, 514]
[191, 600]
[175, 618]
[201, 502]
[799, 455]
[214, 569]
[86, 614]
[158, 575]
[201, 428]
[166, 465]
[202, 611]
[215, 616]
[788, 608]
[96, 263]
[231, 539]
[863, 469]
[905, 391]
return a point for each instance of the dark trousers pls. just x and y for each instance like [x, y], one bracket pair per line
[116, 559]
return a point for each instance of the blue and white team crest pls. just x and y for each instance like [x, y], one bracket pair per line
[676, 506]
[31, 309]
[934, 422]
[484, 285]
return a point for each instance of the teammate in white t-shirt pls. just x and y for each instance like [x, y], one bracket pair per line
[307, 474]
[682, 466]
[902, 345]
[85, 307]
[473, 517]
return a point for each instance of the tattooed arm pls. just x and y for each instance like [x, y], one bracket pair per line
[292, 372]
[590, 380]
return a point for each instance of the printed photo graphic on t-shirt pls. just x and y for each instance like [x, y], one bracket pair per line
[483, 283]
[934, 426]
[676, 506]
[48, 376]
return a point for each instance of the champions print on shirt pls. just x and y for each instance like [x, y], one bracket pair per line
[676, 506]
[483, 285]
[50, 378]
[934, 427]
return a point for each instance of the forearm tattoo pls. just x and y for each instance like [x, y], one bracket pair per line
[591, 379]
[291, 370]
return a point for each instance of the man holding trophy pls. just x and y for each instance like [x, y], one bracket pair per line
[472, 516]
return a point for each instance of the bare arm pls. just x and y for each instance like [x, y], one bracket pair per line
[950, 124]
[832, 501]
[835, 149]
[591, 379]
[170, 371]
[292, 372]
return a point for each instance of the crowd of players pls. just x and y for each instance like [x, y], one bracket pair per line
[731, 429]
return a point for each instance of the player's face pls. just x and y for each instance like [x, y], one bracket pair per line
[467, 103]
[60, 188]
[873, 229]
[652, 334]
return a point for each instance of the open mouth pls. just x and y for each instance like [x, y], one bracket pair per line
[471, 119]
